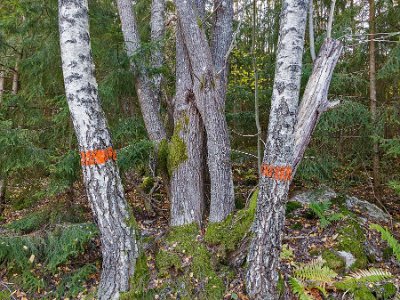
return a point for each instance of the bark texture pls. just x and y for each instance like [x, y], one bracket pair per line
[187, 180]
[210, 103]
[372, 90]
[315, 97]
[157, 35]
[15, 81]
[2, 81]
[147, 97]
[102, 180]
[263, 258]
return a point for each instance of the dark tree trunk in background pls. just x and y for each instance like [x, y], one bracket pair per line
[263, 258]
[372, 91]
[100, 171]
[210, 102]
[144, 85]
[2, 81]
[2, 194]
[187, 179]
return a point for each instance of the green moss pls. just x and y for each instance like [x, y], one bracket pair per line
[363, 293]
[5, 295]
[176, 151]
[230, 232]
[202, 267]
[388, 290]
[351, 239]
[291, 206]
[139, 282]
[167, 260]
[147, 184]
[163, 156]
[334, 261]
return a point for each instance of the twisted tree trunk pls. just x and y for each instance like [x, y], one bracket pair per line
[210, 101]
[100, 172]
[146, 95]
[187, 180]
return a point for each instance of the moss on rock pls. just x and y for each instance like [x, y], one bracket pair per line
[229, 233]
[334, 261]
[351, 239]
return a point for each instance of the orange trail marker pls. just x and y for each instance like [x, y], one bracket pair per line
[98, 157]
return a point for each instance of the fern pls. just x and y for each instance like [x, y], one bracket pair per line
[299, 289]
[315, 272]
[389, 238]
[362, 277]
[321, 210]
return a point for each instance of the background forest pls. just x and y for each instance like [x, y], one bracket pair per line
[49, 246]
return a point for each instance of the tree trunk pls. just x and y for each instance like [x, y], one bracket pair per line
[2, 80]
[210, 103]
[148, 104]
[315, 101]
[2, 194]
[100, 171]
[263, 259]
[157, 34]
[372, 91]
[187, 180]
[14, 88]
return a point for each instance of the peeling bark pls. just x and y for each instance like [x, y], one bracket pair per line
[263, 258]
[210, 103]
[315, 97]
[148, 104]
[187, 180]
[102, 180]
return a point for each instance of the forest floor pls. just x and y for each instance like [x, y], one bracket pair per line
[51, 251]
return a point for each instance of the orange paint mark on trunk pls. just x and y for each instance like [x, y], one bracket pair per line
[98, 157]
[277, 172]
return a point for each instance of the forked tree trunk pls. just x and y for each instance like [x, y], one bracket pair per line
[144, 85]
[187, 180]
[210, 103]
[263, 258]
[282, 156]
[100, 171]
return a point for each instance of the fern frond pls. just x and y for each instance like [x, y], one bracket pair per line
[354, 279]
[299, 289]
[315, 271]
[387, 236]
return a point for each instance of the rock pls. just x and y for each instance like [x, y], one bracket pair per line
[348, 258]
[367, 208]
[321, 194]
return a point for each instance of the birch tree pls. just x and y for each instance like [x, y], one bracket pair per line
[289, 132]
[208, 71]
[100, 172]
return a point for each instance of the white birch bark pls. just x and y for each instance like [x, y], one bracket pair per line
[102, 181]
[148, 104]
[211, 107]
[263, 258]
